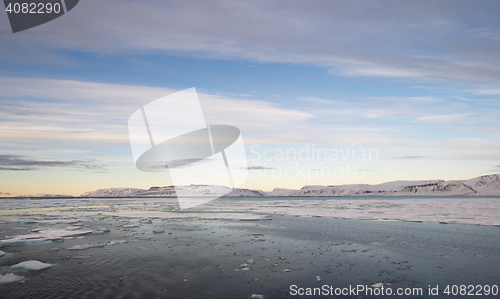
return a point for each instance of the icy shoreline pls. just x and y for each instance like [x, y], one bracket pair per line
[463, 210]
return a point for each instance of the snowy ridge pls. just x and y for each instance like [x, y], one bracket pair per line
[480, 186]
[114, 192]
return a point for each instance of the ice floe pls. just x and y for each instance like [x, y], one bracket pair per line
[32, 265]
[2, 253]
[130, 226]
[10, 277]
[466, 210]
[86, 246]
[41, 237]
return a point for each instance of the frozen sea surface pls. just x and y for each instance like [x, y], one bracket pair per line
[199, 251]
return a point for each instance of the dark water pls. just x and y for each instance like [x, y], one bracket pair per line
[197, 258]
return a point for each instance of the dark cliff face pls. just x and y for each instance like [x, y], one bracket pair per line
[488, 180]
[439, 187]
[245, 192]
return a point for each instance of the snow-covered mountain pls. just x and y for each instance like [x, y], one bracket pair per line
[114, 192]
[484, 185]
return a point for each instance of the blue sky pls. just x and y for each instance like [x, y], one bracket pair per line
[418, 82]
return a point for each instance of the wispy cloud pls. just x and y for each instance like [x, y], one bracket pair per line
[259, 168]
[408, 157]
[422, 40]
[486, 91]
[22, 163]
[444, 118]
[79, 112]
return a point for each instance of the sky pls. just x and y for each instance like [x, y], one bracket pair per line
[323, 92]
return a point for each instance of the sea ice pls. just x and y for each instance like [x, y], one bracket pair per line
[86, 246]
[10, 278]
[379, 285]
[41, 237]
[2, 253]
[115, 242]
[32, 265]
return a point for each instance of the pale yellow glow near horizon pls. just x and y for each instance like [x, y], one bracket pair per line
[75, 183]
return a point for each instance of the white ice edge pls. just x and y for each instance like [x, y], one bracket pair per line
[41, 236]
[32, 265]
[470, 210]
[10, 277]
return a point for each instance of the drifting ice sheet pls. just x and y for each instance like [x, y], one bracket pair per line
[42, 236]
[32, 265]
[10, 278]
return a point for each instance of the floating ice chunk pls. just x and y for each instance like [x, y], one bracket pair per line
[250, 261]
[115, 242]
[130, 226]
[318, 278]
[71, 228]
[379, 285]
[99, 232]
[86, 246]
[2, 253]
[250, 218]
[286, 270]
[244, 265]
[32, 265]
[245, 269]
[256, 296]
[69, 238]
[10, 278]
[41, 237]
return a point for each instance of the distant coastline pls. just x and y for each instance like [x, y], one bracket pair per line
[486, 185]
